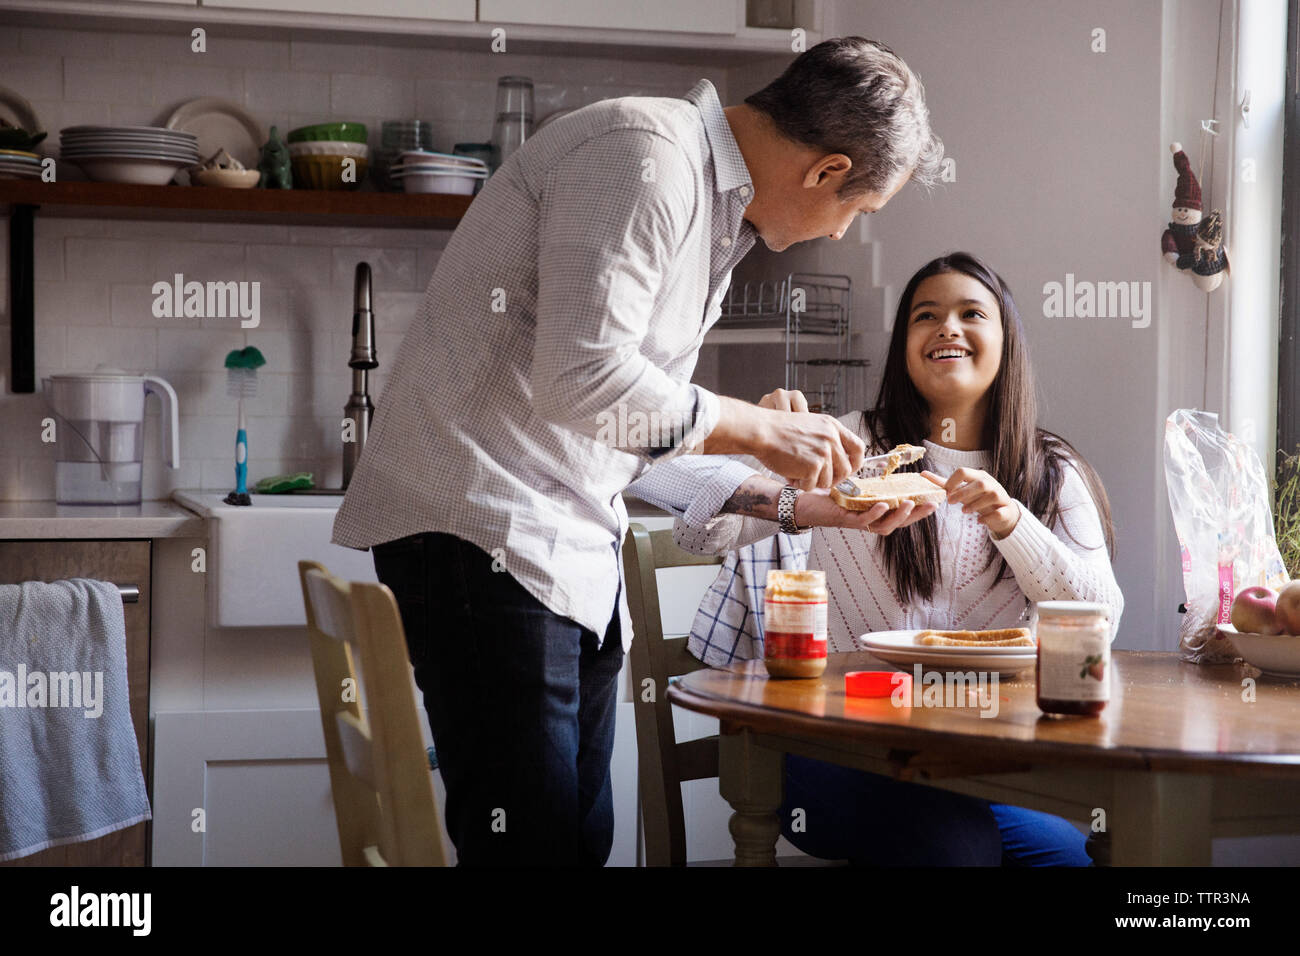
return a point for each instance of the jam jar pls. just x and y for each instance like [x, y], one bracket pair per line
[1073, 657]
[794, 623]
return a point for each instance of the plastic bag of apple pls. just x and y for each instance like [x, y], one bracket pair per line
[1223, 516]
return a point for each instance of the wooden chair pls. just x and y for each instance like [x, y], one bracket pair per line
[663, 763]
[379, 772]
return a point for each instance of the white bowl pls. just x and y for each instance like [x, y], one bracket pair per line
[143, 172]
[330, 147]
[1275, 654]
[227, 178]
[451, 183]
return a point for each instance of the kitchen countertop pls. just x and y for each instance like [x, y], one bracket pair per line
[21, 520]
[149, 519]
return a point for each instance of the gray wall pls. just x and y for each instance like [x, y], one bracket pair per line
[1060, 168]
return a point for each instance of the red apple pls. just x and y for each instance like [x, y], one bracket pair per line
[1288, 608]
[1257, 610]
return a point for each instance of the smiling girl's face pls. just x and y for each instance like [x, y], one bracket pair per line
[954, 340]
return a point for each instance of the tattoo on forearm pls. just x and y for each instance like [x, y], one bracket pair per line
[755, 503]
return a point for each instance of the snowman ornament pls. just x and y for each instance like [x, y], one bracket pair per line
[1188, 243]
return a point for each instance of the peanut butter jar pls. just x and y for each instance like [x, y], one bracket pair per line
[794, 623]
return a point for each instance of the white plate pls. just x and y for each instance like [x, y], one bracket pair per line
[898, 648]
[1275, 654]
[122, 144]
[144, 172]
[151, 130]
[422, 155]
[438, 164]
[18, 111]
[129, 147]
[140, 151]
[423, 171]
[169, 135]
[180, 162]
[220, 124]
[906, 640]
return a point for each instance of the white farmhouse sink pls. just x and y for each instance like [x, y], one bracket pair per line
[252, 561]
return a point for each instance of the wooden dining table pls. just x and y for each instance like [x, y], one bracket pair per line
[1183, 752]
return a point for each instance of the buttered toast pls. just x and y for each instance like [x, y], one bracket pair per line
[893, 490]
[1004, 637]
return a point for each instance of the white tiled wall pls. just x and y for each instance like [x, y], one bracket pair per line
[93, 277]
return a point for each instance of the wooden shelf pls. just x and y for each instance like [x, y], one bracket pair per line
[212, 204]
[21, 198]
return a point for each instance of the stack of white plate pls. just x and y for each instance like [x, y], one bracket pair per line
[149, 155]
[17, 164]
[420, 171]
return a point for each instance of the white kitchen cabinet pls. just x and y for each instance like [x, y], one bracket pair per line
[260, 778]
[669, 16]
[262, 782]
[462, 10]
[570, 27]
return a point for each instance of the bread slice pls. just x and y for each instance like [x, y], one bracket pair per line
[893, 490]
[1004, 637]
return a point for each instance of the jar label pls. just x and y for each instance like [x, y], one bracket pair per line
[1074, 668]
[780, 644]
[794, 629]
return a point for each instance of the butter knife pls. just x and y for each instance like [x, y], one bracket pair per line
[879, 464]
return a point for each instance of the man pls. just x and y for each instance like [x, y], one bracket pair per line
[572, 300]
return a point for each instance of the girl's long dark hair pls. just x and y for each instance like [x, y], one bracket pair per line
[1028, 461]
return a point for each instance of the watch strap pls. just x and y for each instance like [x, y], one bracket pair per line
[785, 510]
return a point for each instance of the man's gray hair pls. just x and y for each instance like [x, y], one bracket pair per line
[855, 96]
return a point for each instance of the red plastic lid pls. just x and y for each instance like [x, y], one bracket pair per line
[877, 683]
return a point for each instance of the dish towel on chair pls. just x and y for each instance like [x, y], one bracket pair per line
[729, 623]
[69, 760]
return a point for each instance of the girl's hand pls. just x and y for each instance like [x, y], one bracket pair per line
[978, 492]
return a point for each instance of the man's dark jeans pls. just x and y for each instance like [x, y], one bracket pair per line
[520, 701]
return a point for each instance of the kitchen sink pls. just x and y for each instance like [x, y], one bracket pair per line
[253, 554]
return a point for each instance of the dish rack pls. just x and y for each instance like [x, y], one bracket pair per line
[810, 314]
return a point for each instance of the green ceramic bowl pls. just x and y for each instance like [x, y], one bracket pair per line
[349, 132]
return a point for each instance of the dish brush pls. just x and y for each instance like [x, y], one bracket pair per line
[241, 383]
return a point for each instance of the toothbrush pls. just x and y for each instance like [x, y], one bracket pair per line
[241, 383]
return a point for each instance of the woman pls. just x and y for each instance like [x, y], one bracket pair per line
[1026, 519]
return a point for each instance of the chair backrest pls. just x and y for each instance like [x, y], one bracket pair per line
[379, 772]
[663, 763]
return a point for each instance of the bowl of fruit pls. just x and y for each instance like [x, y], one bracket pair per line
[1265, 628]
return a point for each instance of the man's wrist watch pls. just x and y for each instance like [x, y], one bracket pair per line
[785, 510]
